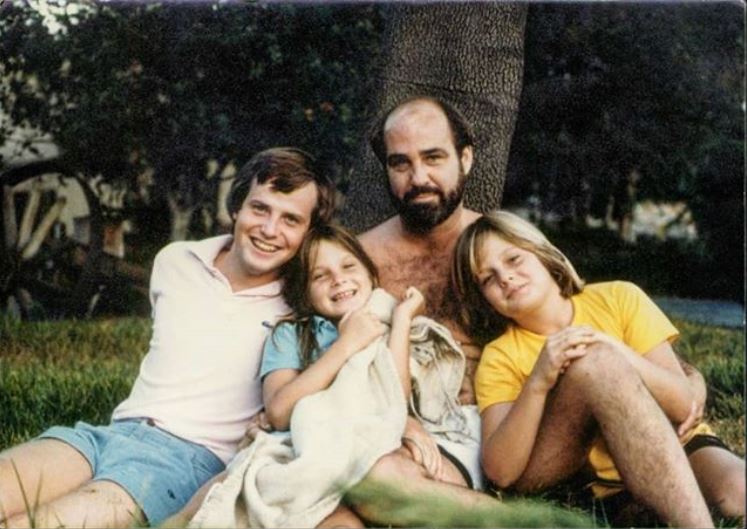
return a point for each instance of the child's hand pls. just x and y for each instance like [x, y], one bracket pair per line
[359, 328]
[412, 304]
[559, 351]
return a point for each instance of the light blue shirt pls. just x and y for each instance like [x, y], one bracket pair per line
[282, 348]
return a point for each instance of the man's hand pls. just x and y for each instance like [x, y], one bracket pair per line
[692, 420]
[698, 386]
[257, 423]
[423, 448]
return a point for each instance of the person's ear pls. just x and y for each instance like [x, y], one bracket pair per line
[467, 158]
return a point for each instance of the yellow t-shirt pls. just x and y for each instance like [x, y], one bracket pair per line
[619, 309]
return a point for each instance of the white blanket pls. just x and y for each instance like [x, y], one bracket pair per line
[297, 478]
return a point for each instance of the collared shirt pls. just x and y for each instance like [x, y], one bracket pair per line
[199, 379]
[283, 349]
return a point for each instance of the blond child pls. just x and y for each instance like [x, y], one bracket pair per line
[611, 341]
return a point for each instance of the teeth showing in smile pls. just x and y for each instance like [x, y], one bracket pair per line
[514, 291]
[345, 294]
[265, 247]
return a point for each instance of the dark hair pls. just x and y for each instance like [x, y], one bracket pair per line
[296, 285]
[287, 169]
[476, 315]
[461, 131]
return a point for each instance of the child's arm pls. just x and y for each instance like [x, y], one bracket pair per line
[662, 374]
[509, 429]
[411, 305]
[282, 388]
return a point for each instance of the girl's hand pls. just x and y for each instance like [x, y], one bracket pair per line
[412, 304]
[358, 329]
[559, 351]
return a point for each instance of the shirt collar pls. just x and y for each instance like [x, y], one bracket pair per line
[320, 322]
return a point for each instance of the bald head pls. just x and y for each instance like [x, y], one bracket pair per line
[422, 106]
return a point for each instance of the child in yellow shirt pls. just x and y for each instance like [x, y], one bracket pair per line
[514, 283]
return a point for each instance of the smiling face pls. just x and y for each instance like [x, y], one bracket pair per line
[513, 280]
[426, 173]
[268, 230]
[338, 281]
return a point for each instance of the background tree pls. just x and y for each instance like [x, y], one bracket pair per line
[157, 99]
[470, 54]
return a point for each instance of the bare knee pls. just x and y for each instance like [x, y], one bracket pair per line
[601, 363]
[395, 467]
[729, 496]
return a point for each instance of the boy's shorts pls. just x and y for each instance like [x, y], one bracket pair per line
[159, 470]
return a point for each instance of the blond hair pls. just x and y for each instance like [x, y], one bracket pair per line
[476, 315]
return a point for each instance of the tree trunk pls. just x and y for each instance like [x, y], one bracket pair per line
[470, 54]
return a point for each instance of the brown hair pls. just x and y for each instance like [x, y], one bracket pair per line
[287, 169]
[480, 319]
[461, 131]
[296, 286]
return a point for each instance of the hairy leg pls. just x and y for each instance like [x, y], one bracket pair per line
[398, 493]
[563, 440]
[721, 476]
[640, 438]
[98, 504]
[393, 492]
[47, 469]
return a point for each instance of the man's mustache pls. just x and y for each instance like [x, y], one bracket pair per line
[421, 190]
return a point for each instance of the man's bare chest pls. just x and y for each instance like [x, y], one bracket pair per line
[428, 273]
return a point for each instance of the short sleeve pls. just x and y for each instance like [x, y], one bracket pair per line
[281, 350]
[498, 378]
[644, 324]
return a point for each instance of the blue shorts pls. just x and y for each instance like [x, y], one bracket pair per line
[160, 471]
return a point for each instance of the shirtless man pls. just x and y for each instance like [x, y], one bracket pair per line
[426, 147]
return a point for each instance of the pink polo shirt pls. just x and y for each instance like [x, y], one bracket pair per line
[200, 377]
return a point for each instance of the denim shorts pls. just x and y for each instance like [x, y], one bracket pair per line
[160, 471]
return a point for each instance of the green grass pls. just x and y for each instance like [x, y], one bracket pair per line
[64, 371]
[60, 372]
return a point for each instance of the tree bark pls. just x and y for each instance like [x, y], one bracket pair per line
[470, 54]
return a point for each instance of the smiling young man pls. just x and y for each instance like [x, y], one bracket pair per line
[198, 388]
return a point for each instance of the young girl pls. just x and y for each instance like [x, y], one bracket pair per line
[327, 287]
[514, 283]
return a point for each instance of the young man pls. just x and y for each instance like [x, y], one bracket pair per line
[427, 150]
[213, 301]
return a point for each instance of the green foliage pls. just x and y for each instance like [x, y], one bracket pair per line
[652, 89]
[661, 268]
[411, 510]
[130, 86]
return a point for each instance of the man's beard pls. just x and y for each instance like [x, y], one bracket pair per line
[423, 217]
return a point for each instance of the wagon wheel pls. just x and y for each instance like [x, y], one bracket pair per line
[48, 272]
